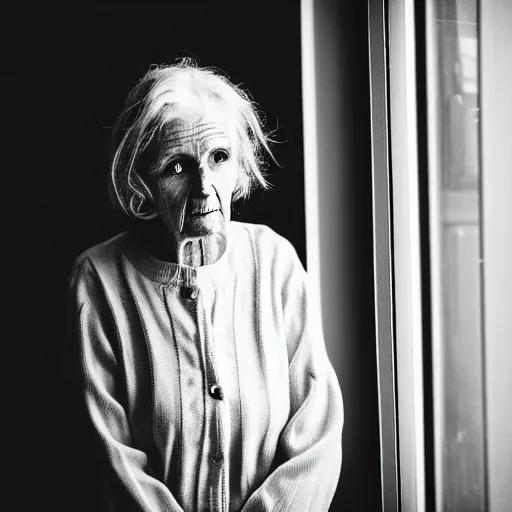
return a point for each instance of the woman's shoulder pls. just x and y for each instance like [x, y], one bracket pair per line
[267, 245]
[260, 234]
[100, 255]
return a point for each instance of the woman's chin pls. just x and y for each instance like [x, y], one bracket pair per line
[203, 225]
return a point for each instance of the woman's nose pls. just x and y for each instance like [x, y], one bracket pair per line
[202, 186]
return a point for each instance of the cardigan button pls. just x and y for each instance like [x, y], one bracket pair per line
[215, 391]
[189, 293]
[217, 458]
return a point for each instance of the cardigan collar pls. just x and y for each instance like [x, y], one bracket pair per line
[169, 273]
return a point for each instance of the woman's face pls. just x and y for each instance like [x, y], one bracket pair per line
[194, 173]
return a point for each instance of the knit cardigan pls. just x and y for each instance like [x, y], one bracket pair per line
[208, 388]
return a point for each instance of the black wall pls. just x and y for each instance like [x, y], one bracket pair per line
[73, 69]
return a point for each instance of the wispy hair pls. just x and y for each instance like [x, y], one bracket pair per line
[157, 99]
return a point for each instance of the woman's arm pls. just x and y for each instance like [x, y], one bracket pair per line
[92, 328]
[310, 444]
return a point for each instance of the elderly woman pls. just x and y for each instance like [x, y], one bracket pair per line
[204, 370]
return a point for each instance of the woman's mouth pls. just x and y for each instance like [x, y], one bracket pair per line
[202, 207]
[202, 218]
[201, 213]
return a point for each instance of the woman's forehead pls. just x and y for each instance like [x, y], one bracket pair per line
[178, 129]
[197, 123]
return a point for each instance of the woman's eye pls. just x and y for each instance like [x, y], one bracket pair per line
[219, 156]
[175, 167]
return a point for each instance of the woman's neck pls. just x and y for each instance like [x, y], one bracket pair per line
[190, 251]
[204, 250]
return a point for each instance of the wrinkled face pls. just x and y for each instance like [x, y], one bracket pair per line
[194, 171]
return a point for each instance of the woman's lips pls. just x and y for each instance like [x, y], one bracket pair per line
[202, 207]
[201, 213]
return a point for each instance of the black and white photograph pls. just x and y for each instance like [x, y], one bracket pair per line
[265, 256]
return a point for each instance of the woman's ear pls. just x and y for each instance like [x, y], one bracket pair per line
[142, 207]
[141, 203]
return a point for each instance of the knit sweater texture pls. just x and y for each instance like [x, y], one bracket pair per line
[208, 388]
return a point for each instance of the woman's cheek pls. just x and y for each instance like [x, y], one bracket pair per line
[175, 188]
[226, 183]
[173, 194]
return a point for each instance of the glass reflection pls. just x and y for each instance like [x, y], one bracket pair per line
[455, 233]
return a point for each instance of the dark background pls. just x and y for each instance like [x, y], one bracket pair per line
[73, 69]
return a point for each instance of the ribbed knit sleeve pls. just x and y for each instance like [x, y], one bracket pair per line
[309, 447]
[93, 328]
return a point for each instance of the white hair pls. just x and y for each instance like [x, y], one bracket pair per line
[154, 102]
